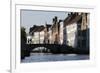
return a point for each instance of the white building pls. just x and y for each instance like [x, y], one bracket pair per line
[50, 36]
[37, 34]
[70, 29]
[71, 34]
[76, 30]
[38, 38]
[41, 37]
[61, 32]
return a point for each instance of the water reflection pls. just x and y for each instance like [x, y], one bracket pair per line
[46, 57]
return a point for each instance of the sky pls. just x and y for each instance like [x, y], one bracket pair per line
[32, 17]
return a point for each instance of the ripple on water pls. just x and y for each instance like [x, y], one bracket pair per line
[45, 57]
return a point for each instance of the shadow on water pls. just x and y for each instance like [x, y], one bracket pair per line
[49, 57]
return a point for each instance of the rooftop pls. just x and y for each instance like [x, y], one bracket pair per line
[36, 28]
[73, 17]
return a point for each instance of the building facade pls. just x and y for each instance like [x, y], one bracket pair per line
[83, 31]
[47, 34]
[61, 33]
[76, 30]
[72, 31]
[56, 29]
[37, 34]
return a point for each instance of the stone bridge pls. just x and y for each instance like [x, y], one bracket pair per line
[54, 48]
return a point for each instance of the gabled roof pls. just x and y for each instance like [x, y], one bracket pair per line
[36, 28]
[72, 18]
[48, 26]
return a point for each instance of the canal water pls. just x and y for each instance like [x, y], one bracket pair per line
[47, 57]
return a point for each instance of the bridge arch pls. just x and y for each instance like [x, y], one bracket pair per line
[53, 48]
[40, 49]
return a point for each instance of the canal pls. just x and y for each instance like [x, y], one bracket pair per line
[47, 57]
